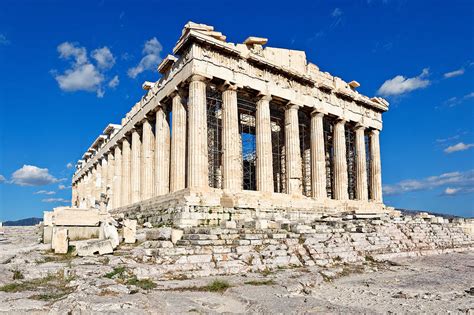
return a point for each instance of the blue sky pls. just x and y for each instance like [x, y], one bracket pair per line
[67, 69]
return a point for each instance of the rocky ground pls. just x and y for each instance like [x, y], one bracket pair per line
[33, 280]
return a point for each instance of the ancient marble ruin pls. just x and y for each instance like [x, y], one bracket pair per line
[237, 131]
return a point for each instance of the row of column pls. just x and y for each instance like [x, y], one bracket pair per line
[155, 164]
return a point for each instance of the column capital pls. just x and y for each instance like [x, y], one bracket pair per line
[178, 91]
[359, 125]
[374, 131]
[198, 77]
[264, 97]
[228, 86]
[291, 105]
[340, 120]
[318, 112]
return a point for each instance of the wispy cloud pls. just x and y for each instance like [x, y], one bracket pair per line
[69, 165]
[454, 73]
[30, 175]
[453, 101]
[451, 192]
[55, 200]
[2, 179]
[336, 12]
[114, 82]
[3, 40]
[458, 147]
[83, 75]
[401, 85]
[45, 192]
[150, 60]
[463, 180]
[62, 187]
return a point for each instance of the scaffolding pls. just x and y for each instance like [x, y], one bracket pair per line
[350, 158]
[247, 110]
[328, 127]
[277, 122]
[214, 136]
[304, 121]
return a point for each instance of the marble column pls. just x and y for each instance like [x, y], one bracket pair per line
[360, 164]
[264, 166]
[375, 167]
[340, 162]
[96, 170]
[178, 144]
[89, 187]
[117, 182]
[148, 158]
[231, 144]
[162, 153]
[103, 175]
[318, 158]
[135, 164]
[110, 180]
[74, 194]
[293, 151]
[198, 168]
[126, 187]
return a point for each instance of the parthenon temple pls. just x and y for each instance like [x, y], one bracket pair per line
[237, 130]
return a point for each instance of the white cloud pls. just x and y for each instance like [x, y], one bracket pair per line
[114, 82]
[69, 165]
[450, 192]
[400, 84]
[104, 58]
[3, 40]
[84, 75]
[458, 179]
[30, 175]
[45, 192]
[61, 200]
[453, 101]
[151, 58]
[458, 147]
[454, 73]
[337, 12]
[2, 179]
[62, 187]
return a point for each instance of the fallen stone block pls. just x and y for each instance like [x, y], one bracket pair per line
[147, 225]
[60, 242]
[76, 217]
[109, 232]
[176, 235]
[91, 247]
[159, 234]
[130, 231]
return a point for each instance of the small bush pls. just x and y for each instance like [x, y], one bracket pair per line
[218, 286]
[118, 271]
[145, 284]
[260, 282]
[17, 275]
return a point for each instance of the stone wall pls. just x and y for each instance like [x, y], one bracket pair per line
[329, 241]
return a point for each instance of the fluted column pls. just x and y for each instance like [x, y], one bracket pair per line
[96, 185]
[231, 145]
[340, 162]
[293, 151]
[178, 145]
[109, 187]
[162, 153]
[117, 182]
[198, 168]
[135, 166]
[103, 174]
[375, 167]
[88, 189]
[264, 166]
[74, 194]
[318, 159]
[126, 174]
[361, 164]
[147, 164]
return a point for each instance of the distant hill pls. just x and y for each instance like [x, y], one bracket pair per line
[23, 222]
[413, 212]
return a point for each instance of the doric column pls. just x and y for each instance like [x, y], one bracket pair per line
[361, 164]
[110, 180]
[293, 151]
[96, 185]
[117, 182]
[264, 166]
[340, 162]
[231, 145]
[198, 168]
[135, 166]
[375, 167]
[126, 175]
[74, 194]
[162, 153]
[88, 195]
[178, 144]
[318, 159]
[103, 174]
[147, 164]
